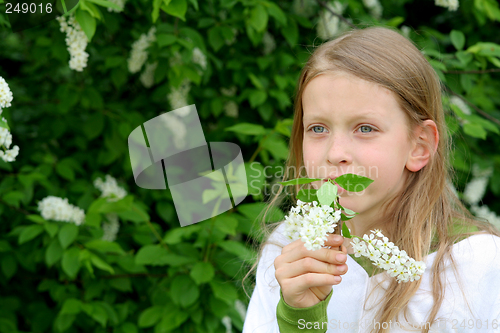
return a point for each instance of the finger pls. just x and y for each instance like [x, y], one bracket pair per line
[308, 265]
[323, 254]
[303, 282]
[334, 240]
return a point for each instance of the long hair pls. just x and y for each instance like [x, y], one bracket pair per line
[428, 215]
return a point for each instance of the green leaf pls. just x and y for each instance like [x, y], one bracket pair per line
[257, 97]
[255, 80]
[215, 38]
[71, 262]
[156, 10]
[87, 22]
[353, 183]
[104, 246]
[297, 181]
[5, 246]
[29, 233]
[291, 33]
[155, 255]
[258, 18]
[327, 193]
[36, 219]
[345, 231]
[475, 130]
[276, 12]
[238, 249]
[67, 235]
[227, 224]
[176, 235]
[101, 264]
[247, 129]
[97, 312]
[105, 3]
[184, 291]
[172, 319]
[150, 316]
[202, 272]
[175, 8]
[165, 39]
[51, 228]
[224, 291]
[54, 253]
[4, 124]
[307, 195]
[71, 306]
[457, 39]
[349, 212]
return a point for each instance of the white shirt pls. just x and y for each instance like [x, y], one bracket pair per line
[477, 260]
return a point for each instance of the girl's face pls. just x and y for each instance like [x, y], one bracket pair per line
[355, 126]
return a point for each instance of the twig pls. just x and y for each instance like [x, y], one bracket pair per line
[343, 19]
[483, 113]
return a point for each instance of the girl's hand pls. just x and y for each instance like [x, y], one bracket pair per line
[306, 277]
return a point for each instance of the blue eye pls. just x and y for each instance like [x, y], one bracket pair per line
[312, 128]
[368, 129]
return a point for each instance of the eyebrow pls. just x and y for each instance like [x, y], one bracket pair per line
[362, 114]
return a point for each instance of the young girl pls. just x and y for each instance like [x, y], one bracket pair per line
[369, 103]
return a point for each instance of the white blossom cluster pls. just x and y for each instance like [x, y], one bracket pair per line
[119, 3]
[110, 188]
[461, 104]
[329, 25]
[241, 309]
[8, 155]
[58, 209]
[475, 189]
[76, 40]
[199, 58]
[5, 94]
[452, 5]
[139, 55]
[176, 127]
[110, 227]
[230, 107]
[148, 76]
[178, 96]
[311, 223]
[226, 321]
[374, 6]
[386, 255]
[484, 212]
[405, 30]
[269, 43]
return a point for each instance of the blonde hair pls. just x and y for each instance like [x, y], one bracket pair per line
[426, 212]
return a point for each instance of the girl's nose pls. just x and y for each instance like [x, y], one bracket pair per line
[340, 150]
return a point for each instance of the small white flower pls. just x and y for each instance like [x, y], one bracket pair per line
[475, 189]
[226, 321]
[110, 227]
[76, 41]
[452, 5]
[461, 104]
[58, 209]
[110, 188]
[241, 309]
[269, 43]
[148, 76]
[231, 109]
[5, 94]
[120, 3]
[386, 255]
[138, 54]
[199, 58]
[328, 25]
[178, 96]
[310, 223]
[10, 155]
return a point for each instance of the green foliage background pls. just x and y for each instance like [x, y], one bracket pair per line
[72, 127]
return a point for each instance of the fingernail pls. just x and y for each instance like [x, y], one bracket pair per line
[337, 238]
[337, 278]
[341, 257]
[341, 268]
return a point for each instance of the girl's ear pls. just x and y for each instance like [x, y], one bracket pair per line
[426, 139]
